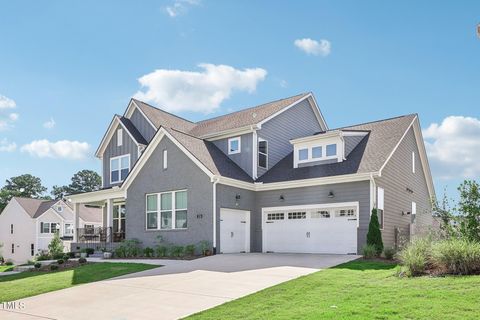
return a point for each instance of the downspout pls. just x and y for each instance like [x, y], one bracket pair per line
[214, 185]
[373, 193]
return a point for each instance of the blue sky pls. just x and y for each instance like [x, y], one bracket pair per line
[78, 63]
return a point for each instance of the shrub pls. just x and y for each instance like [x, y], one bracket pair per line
[128, 249]
[190, 250]
[90, 251]
[82, 260]
[204, 246]
[389, 253]
[369, 251]
[53, 267]
[43, 255]
[37, 265]
[161, 251]
[177, 251]
[60, 261]
[148, 252]
[9, 263]
[457, 256]
[415, 256]
[70, 255]
[55, 247]
[374, 235]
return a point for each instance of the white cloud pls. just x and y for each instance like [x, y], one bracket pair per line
[314, 47]
[64, 149]
[199, 91]
[179, 7]
[13, 116]
[6, 146]
[49, 124]
[453, 147]
[6, 103]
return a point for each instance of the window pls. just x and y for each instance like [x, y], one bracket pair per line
[380, 206]
[59, 208]
[331, 150]
[32, 249]
[13, 248]
[320, 214]
[413, 162]
[414, 212]
[119, 137]
[165, 159]
[316, 152]
[44, 227]
[170, 208]
[345, 213]
[119, 214]
[11, 229]
[68, 229]
[234, 145]
[54, 227]
[303, 154]
[297, 215]
[119, 168]
[275, 216]
[262, 153]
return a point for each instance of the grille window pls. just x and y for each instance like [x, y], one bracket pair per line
[275, 216]
[297, 215]
[320, 214]
[346, 213]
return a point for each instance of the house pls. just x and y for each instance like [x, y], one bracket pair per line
[28, 225]
[271, 178]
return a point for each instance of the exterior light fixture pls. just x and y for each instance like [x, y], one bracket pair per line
[282, 197]
[331, 195]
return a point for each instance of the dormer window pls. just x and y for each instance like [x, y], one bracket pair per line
[331, 150]
[316, 152]
[234, 145]
[119, 168]
[303, 154]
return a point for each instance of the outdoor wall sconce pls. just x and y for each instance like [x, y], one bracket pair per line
[405, 213]
[282, 197]
[331, 195]
[237, 198]
[409, 190]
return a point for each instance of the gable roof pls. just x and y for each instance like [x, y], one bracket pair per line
[370, 154]
[134, 133]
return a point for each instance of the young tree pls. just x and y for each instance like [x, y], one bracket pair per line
[374, 235]
[24, 185]
[55, 247]
[446, 215]
[82, 181]
[469, 210]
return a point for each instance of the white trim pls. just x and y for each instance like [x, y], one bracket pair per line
[317, 111]
[413, 161]
[165, 159]
[119, 137]
[131, 108]
[229, 133]
[414, 208]
[97, 196]
[214, 186]
[247, 226]
[159, 210]
[258, 153]
[230, 141]
[254, 155]
[120, 167]
[380, 198]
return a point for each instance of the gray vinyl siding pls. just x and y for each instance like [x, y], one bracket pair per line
[142, 125]
[128, 147]
[344, 192]
[244, 159]
[181, 174]
[298, 121]
[351, 142]
[397, 176]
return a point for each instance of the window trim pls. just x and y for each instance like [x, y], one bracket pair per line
[261, 153]
[381, 206]
[119, 137]
[310, 157]
[65, 233]
[413, 161]
[230, 140]
[120, 167]
[159, 211]
[165, 159]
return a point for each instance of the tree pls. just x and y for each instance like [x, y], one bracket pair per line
[374, 235]
[55, 247]
[445, 213]
[82, 181]
[469, 210]
[24, 185]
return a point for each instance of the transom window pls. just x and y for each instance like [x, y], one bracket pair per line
[297, 215]
[276, 216]
[319, 214]
[119, 168]
[262, 153]
[347, 212]
[234, 145]
[167, 210]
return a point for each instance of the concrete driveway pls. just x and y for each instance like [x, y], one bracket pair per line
[178, 289]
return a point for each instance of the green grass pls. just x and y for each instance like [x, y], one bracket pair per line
[6, 268]
[358, 290]
[29, 284]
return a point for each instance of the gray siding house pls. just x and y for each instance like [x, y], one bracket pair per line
[271, 178]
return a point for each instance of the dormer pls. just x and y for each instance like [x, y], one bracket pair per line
[325, 147]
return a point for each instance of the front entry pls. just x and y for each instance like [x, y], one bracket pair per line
[119, 214]
[234, 231]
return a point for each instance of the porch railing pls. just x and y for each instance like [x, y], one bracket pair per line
[99, 235]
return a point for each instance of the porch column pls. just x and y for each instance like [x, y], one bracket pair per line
[109, 213]
[76, 221]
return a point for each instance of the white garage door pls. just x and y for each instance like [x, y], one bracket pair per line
[319, 228]
[234, 231]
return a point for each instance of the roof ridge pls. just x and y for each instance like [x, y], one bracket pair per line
[187, 134]
[242, 110]
[174, 115]
[375, 121]
[29, 198]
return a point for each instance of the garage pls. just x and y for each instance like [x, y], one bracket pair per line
[315, 228]
[234, 231]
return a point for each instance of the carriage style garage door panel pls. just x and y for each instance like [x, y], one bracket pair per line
[234, 231]
[319, 228]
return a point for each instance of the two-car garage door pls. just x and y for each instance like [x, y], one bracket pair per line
[328, 228]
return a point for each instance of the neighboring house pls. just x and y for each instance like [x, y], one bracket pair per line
[28, 225]
[272, 178]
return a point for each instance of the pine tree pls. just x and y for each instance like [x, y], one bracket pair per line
[374, 235]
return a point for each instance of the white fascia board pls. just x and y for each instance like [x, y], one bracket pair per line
[317, 137]
[97, 196]
[424, 159]
[317, 111]
[131, 108]
[229, 133]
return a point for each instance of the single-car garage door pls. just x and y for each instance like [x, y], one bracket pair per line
[327, 228]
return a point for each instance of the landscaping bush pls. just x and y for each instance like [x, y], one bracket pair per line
[204, 246]
[58, 256]
[148, 252]
[82, 260]
[128, 249]
[70, 255]
[389, 253]
[55, 247]
[369, 251]
[190, 250]
[60, 261]
[374, 235]
[37, 265]
[177, 251]
[53, 267]
[161, 251]
[89, 251]
[456, 256]
[9, 263]
[415, 256]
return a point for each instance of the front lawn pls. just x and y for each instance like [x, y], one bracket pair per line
[29, 284]
[358, 290]
[6, 268]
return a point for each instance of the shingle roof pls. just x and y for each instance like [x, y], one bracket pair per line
[368, 156]
[133, 130]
